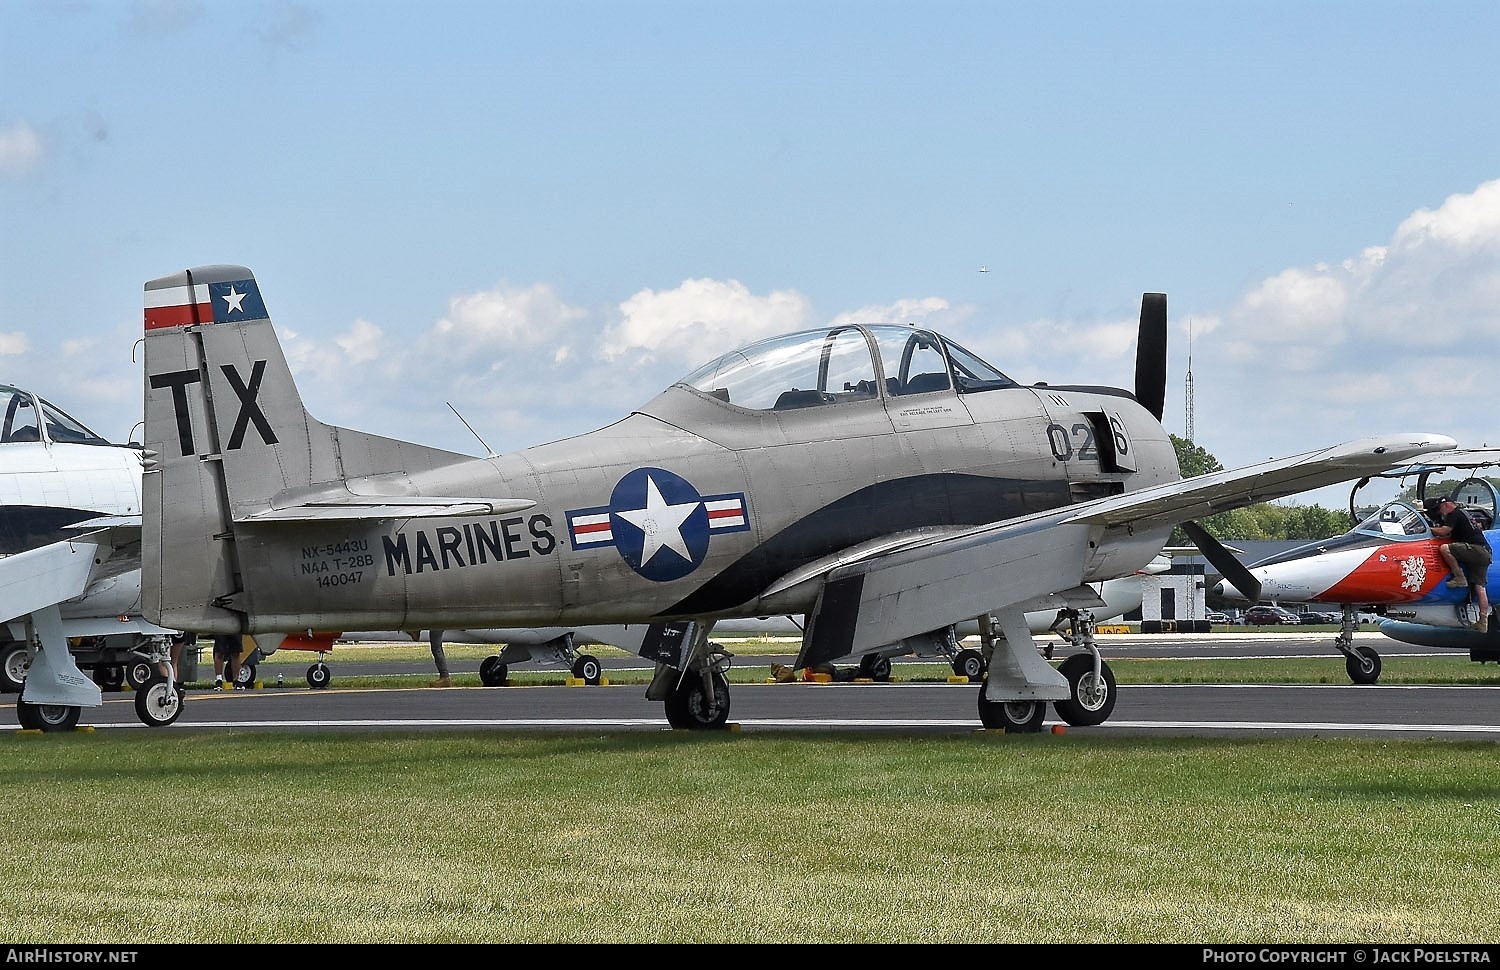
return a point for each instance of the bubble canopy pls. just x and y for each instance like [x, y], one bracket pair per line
[844, 363]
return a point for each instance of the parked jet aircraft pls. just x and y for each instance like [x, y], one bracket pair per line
[1389, 562]
[882, 480]
[70, 505]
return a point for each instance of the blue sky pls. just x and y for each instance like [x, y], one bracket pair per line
[543, 213]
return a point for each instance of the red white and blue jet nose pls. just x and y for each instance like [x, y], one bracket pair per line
[1387, 573]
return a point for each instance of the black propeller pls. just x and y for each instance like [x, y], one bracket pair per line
[1233, 571]
[1151, 354]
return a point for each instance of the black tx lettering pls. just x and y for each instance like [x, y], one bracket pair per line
[249, 410]
[178, 382]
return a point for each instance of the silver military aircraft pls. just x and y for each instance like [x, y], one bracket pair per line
[882, 480]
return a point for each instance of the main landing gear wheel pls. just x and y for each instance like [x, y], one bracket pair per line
[138, 674]
[1363, 664]
[47, 717]
[15, 660]
[1091, 699]
[157, 704]
[1012, 717]
[875, 668]
[690, 706]
[492, 672]
[246, 677]
[969, 663]
[318, 675]
[588, 669]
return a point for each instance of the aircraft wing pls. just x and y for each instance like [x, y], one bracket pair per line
[45, 576]
[889, 596]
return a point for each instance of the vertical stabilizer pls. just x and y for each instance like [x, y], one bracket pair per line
[227, 437]
[189, 571]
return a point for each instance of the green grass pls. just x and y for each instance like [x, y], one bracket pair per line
[135, 837]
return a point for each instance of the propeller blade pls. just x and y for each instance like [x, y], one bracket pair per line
[1233, 571]
[1151, 354]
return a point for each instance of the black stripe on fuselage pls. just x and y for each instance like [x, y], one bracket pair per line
[877, 510]
[24, 527]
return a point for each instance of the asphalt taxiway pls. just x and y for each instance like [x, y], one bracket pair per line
[1330, 709]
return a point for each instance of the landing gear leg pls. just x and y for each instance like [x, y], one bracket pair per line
[1091, 684]
[1362, 663]
[695, 696]
[1018, 682]
[56, 690]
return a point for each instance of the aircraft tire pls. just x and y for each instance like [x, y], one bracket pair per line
[588, 669]
[1012, 717]
[1363, 666]
[319, 675]
[246, 676]
[969, 663]
[26, 716]
[1089, 702]
[875, 668]
[492, 672]
[139, 673]
[156, 704]
[111, 677]
[688, 706]
[15, 660]
[47, 717]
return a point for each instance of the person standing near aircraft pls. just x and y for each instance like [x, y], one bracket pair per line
[1468, 556]
[435, 638]
[179, 640]
[227, 658]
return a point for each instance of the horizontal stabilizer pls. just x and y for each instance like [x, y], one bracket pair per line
[388, 507]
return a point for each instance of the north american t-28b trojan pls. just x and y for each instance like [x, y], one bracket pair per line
[883, 480]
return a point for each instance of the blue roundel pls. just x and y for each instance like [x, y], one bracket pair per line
[660, 524]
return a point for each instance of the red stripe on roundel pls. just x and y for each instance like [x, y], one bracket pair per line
[1389, 574]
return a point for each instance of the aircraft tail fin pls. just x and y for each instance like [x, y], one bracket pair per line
[228, 438]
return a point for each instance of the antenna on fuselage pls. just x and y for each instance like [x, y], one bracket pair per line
[488, 451]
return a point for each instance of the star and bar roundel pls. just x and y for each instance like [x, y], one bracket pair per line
[658, 522]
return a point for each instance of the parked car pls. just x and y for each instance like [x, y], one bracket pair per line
[1320, 616]
[1214, 616]
[1262, 615]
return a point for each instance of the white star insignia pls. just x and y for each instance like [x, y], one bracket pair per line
[662, 523]
[235, 300]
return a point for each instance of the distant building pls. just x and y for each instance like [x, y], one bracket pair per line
[1181, 593]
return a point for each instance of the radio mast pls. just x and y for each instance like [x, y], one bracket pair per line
[1190, 382]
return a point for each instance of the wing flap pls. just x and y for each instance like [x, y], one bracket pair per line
[884, 600]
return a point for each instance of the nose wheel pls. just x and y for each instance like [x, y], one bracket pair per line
[1363, 665]
[158, 703]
